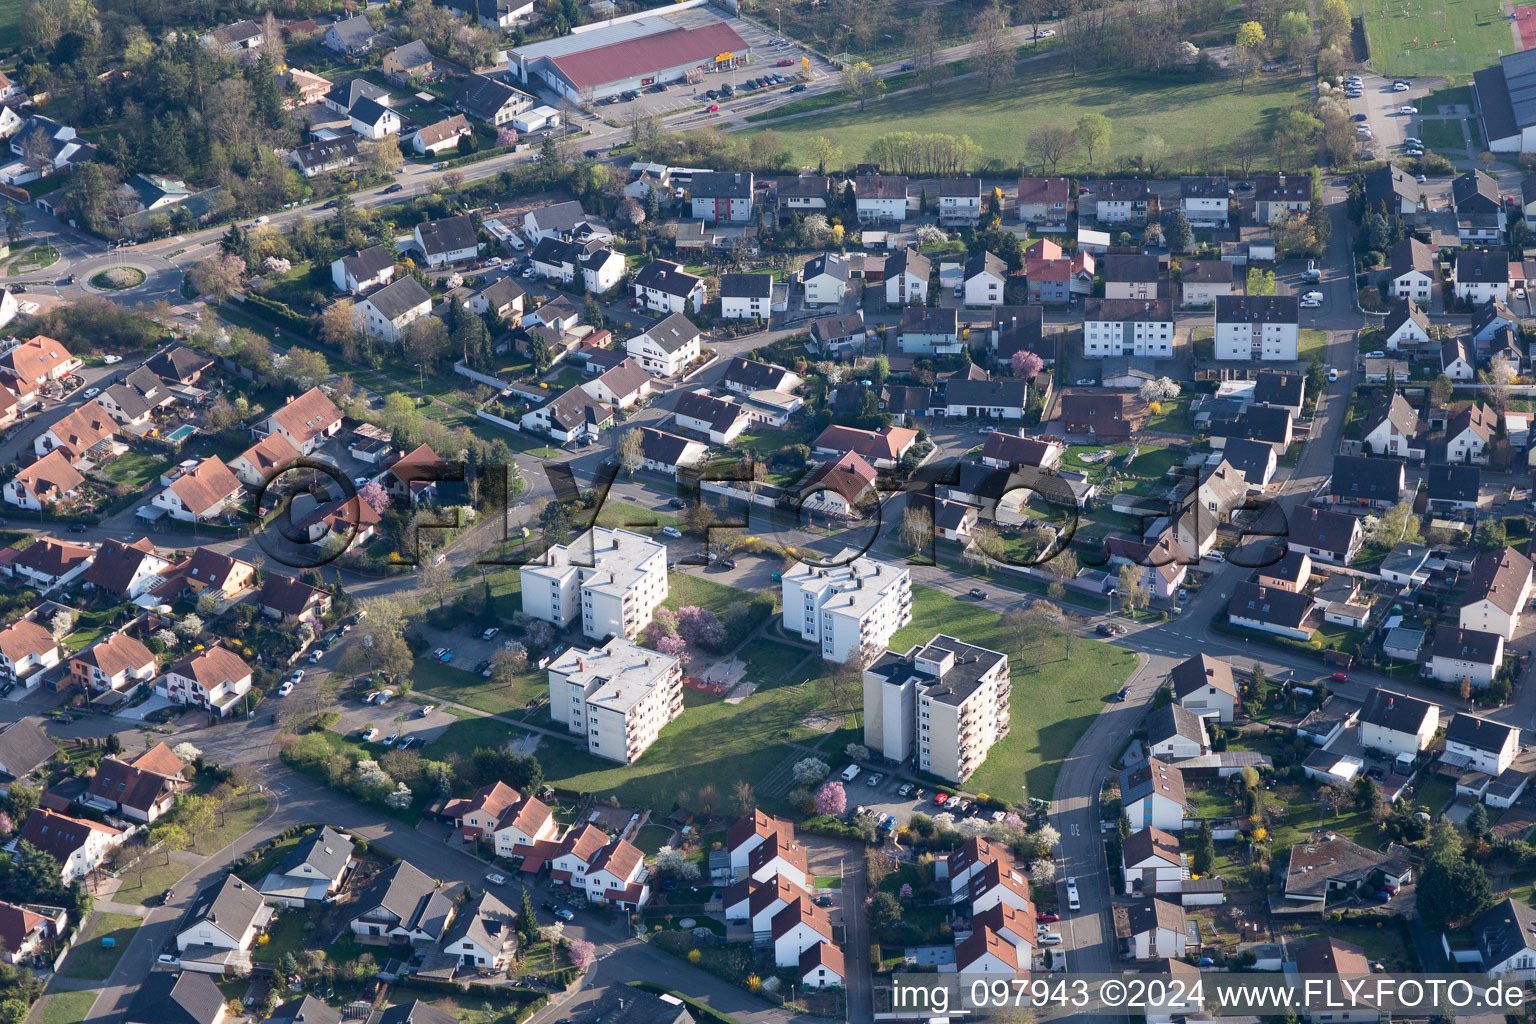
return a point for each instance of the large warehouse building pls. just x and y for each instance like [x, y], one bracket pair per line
[1506, 98]
[628, 55]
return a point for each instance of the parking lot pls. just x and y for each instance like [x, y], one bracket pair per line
[1381, 105]
[884, 798]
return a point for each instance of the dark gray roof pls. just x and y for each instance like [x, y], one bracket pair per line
[1402, 311]
[1021, 328]
[575, 407]
[406, 892]
[1258, 309]
[832, 264]
[1361, 478]
[1010, 393]
[555, 252]
[829, 328]
[878, 186]
[1395, 711]
[24, 747]
[1171, 720]
[636, 1006]
[1269, 604]
[984, 262]
[666, 277]
[228, 904]
[719, 413]
[1321, 528]
[746, 286]
[189, 997]
[346, 94]
[1475, 192]
[1496, 103]
[970, 664]
[178, 363]
[1267, 423]
[722, 185]
[485, 921]
[1491, 311]
[1149, 778]
[1203, 187]
[398, 296]
[1482, 265]
[929, 320]
[318, 154]
[368, 111]
[484, 96]
[1454, 483]
[447, 235]
[305, 1010]
[753, 375]
[660, 446]
[806, 186]
[1123, 191]
[327, 851]
[1199, 672]
[416, 1012]
[354, 31]
[1411, 254]
[1251, 458]
[1276, 387]
[1282, 188]
[1129, 310]
[673, 333]
[909, 261]
[1122, 267]
[1504, 930]
[501, 291]
[967, 187]
[1206, 272]
[369, 262]
[1389, 182]
[1477, 732]
[413, 54]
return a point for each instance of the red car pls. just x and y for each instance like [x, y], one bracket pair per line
[1047, 918]
[939, 798]
[712, 108]
[785, 64]
[1339, 677]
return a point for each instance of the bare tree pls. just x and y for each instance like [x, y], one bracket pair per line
[1050, 144]
[924, 40]
[993, 50]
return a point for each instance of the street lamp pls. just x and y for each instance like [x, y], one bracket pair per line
[780, 13]
[421, 378]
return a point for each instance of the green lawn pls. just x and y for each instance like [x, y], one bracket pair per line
[146, 887]
[1313, 345]
[235, 823]
[476, 691]
[1048, 93]
[1175, 417]
[67, 1007]
[651, 838]
[1442, 135]
[770, 662]
[623, 515]
[1435, 37]
[89, 960]
[285, 935]
[1055, 696]
[135, 470]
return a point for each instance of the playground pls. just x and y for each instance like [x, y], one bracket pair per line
[1450, 38]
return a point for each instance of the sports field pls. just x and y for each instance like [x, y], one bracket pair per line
[1436, 37]
[1194, 115]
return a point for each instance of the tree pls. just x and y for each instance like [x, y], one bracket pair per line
[1163, 389]
[924, 40]
[862, 82]
[1092, 133]
[1205, 850]
[1367, 794]
[384, 157]
[1025, 364]
[218, 276]
[1050, 144]
[1491, 534]
[1258, 689]
[632, 450]
[1451, 890]
[884, 914]
[171, 838]
[426, 341]
[1294, 34]
[527, 920]
[831, 798]
[809, 770]
[1334, 17]
[1477, 821]
[304, 368]
[1177, 233]
[1043, 871]
[992, 53]
[507, 665]
[1261, 282]
[825, 152]
[582, 953]
[1132, 588]
[1440, 390]
[15, 223]
[916, 527]
[1245, 52]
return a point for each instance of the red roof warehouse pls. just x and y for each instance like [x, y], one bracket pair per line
[629, 55]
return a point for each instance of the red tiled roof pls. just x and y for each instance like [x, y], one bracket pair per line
[636, 58]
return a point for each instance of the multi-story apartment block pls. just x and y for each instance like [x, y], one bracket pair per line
[619, 696]
[943, 703]
[1257, 327]
[857, 604]
[1128, 327]
[613, 578]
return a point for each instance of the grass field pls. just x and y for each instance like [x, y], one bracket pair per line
[1435, 37]
[1205, 114]
[135, 470]
[1313, 344]
[89, 960]
[66, 1007]
[1443, 136]
[1055, 696]
[157, 877]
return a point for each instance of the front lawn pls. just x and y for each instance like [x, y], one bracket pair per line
[234, 823]
[1313, 345]
[67, 1007]
[621, 515]
[144, 887]
[471, 689]
[89, 960]
[771, 662]
[1056, 695]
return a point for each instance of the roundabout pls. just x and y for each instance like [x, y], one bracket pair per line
[118, 279]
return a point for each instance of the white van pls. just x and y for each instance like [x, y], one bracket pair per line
[850, 773]
[515, 242]
[1073, 903]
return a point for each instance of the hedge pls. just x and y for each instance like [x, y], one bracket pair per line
[702, 1010]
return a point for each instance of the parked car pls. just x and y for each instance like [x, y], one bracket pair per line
[285, 689]
[978, 593]
[370, 734]
[1399, 86]
[1406, 109]
[822, 901]
[940, 799]
[1124, 692]
[1359, 117]
[712, 108]
[1047, 916]
[874, 780]
[389, 740]
[427, 709]
[92, 392]
[797, 88]
[906, 787]
[391, 190]
[496, 879]
[490, 634]
[1104, 629]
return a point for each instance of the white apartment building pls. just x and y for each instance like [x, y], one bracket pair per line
[1252, 327]
[946, 702]
[1128, 327]
[613, 579]
[856, 604]
[619, 696]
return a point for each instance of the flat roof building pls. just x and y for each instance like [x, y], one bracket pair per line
[619, 696]
[630, 55]
[613, 579]
[853, 606]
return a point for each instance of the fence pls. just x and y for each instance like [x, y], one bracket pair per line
[503, 423]
[481, 378]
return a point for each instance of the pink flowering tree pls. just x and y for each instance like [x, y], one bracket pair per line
[506, 137]
[375, 495]
[582, 953]
[905, 895]
[700, 627]
[674, 646]
[1026, 364]
[831, 798]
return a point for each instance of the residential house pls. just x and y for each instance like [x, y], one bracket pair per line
[286, 600]
[1331, 957]
[1326, 536]
[1277, 197]
[1410, 268]
[1393, 192]
[1326, 862]
[878, 198]
[838, 488]
[502, 298]
[985, 278]
[1257, 327]
[719, 419]
[48, 562]
[27, 649]
[306, 421]
[372, 120]
[490, 100]
[305, 1010]
[906, 278]
[78, 844]
[1175, 733]
[1506, 940]
[45, 483]
[80, 434]
[131, 792]
[524, 826]
[263, 461]
[214, 678]
[1205, 200]
[1497, 591]
[231, 39]
[883, 448]
[1044, 203]
[441, 136]
[985, 953]
[364, 270]
[1406, 324]
[822, 967]
[670, 454]
[447, 240]
[1021, 329]
[664, 287]
[1469, 434]
[313, 871]
[1453, 488]
[409, 64]
[805, 193]
[224, 916]
[1104, 417]
[188, 997]
[1122, 202]
[926, 330]
[402, 904]
[1396, 723]
[324, 156]
[1203, 281]
[28, 364]
[341, 98]
[1152, 795]
[1492, 317]
[483, 934]
[959, 200]
[667, 348]
[799, 927]
[998, 884]
[351, 37]
[25, 930]
[201, 492]
[722, 196]
[1152, 864]
[1366, 481]
[1479, 207]
[746, 296]
[1158, 928]
[993, 399]
[1390, 428]
[1271, 611]
[1128, 327]
[213, 572]
[825, 279]
[1133, 277]
[1487, 746]
[25, 751]
[1203, 685]
[617, 875]
[496, 15]
[1010, 451]
[117, 662]
[1481, 275]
